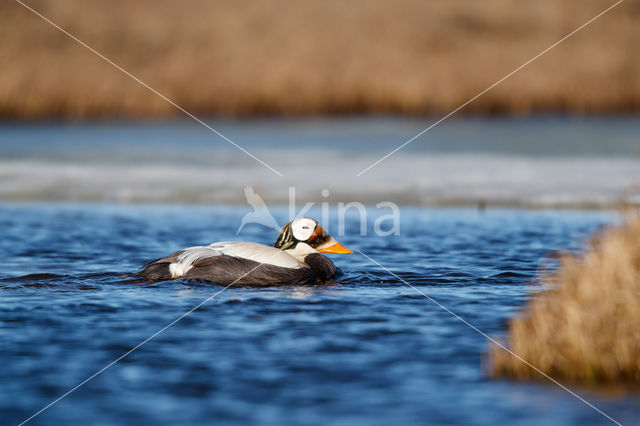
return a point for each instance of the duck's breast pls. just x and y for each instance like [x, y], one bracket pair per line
[321, 266]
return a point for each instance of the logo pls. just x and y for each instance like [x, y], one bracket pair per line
[383, 224]
[260, 214]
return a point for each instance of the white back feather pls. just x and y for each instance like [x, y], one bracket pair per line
[242, 249]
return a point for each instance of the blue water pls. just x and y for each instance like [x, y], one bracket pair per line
[365, 350]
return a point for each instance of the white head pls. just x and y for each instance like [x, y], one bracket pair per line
[307, 231]
[302, 229]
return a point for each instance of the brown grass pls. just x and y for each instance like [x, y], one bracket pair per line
[241, 57]
[587, 328]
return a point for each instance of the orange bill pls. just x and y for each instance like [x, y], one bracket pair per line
[335, 248]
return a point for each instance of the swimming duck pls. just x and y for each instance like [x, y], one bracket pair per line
[295, 258]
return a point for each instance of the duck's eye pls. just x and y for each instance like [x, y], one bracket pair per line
[305, 227]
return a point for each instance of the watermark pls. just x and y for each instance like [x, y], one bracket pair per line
[385, 223]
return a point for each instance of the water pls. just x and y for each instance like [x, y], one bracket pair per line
[533, 162]
[365, 350]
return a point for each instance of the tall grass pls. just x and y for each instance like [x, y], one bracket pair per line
[242, 57]
[587, 327]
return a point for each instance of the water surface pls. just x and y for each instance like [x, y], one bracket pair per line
[365, 350]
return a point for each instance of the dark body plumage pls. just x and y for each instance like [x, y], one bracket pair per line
[224, 269]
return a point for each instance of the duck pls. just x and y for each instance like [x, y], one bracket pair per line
[296, 258]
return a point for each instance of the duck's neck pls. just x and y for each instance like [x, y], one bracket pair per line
[301, 251]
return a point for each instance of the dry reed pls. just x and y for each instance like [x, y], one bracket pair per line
[587, 327]
[241, 57]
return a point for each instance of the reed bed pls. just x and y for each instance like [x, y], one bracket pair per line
[241, 57]
[586, 328]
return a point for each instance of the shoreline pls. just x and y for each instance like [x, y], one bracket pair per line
[486, 208]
